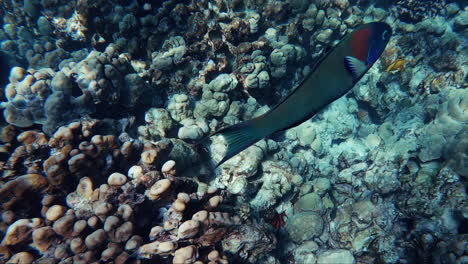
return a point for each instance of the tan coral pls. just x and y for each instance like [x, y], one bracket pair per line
[85, 257]
[93, 221]
[8, 217]
[188, 229]
[78, 161]
[178, 205]
[43, 238]
[211, 190]
[156, 248]
[112, 250]
[55, 212]
[213, 255]
[135, 173]
[122, 258]
[85, 188]
[117, 179]
[201, 216]
[158, 189]
[130, 148]
[77, 245]
[64, 225]
[5, 252]
[20, 231]
[155, 232]
[111, 223]
[47, 201]
[184, 197]
[89, 149]
[55, 168]
[222, 218]
[125, 211]
[134, 242]
[21, 258]
[185, 255]
[216, 257]
[63, 136]
[95, 239]
[123, 232]
[31, 136]
[102, 209]
[13, 190]
[168, 168]
[78, 227]
[214, 201]
[149, 156]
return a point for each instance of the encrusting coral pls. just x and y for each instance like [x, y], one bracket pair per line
[105, 102]
[100, 220]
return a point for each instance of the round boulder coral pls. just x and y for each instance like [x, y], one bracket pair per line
[304, 226]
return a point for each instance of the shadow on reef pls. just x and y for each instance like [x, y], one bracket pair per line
[5, 71]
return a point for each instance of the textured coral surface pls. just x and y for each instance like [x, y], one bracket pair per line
[104, 103]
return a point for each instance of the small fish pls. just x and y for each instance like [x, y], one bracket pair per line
[337, 73]
[396, 66]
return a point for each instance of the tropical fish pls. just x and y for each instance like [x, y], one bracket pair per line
[337, 73]
[396, 66]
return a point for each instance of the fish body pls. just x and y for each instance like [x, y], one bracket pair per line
[331, 79]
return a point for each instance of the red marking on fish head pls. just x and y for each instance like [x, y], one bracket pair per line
[360, 43]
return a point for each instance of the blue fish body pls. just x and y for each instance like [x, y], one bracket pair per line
[334, 76]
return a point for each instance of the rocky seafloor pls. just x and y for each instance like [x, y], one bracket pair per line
[103, 101]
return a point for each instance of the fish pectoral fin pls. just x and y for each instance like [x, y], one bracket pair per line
[356, 67]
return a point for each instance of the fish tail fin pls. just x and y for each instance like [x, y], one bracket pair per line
[239, 137]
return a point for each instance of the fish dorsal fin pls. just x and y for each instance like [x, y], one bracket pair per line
[356, 67]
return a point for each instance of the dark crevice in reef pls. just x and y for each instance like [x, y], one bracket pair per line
[6, 63]
[104, 110]
[76, 91]
[463, 222]
[373, 115]
[338, 141]
[5, 69]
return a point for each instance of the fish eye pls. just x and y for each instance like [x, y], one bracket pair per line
[384, 35]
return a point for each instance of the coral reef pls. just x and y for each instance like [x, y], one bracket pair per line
[98, 217]
[106, 106]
